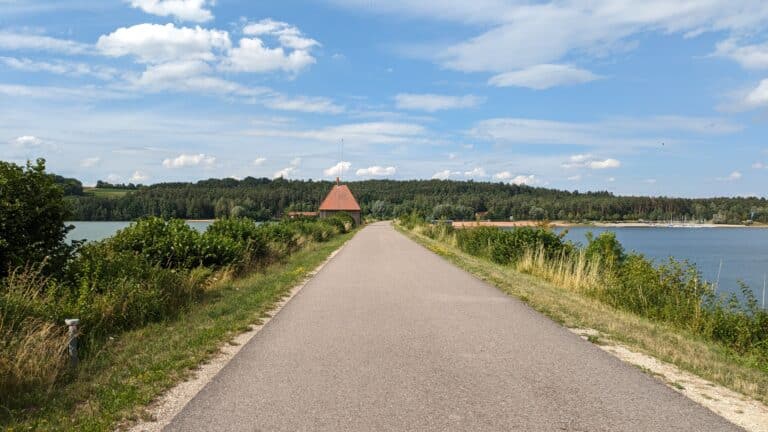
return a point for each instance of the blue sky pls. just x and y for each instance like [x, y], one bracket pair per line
[657, 97]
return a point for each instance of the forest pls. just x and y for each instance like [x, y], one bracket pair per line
[264, 199]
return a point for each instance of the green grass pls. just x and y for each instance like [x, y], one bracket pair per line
[105, 192]
[113, 385]
[688, 351]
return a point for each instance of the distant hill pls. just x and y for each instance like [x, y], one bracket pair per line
[263, 199]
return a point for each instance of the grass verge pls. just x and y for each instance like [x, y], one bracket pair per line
[687, 351]
[132, 370]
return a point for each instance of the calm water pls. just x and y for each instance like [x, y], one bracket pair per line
[743, 251]
[102, 230]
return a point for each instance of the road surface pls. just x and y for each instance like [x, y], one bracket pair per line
[389, 336]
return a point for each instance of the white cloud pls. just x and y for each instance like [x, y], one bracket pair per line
[376, 171]
[338, 169]
[611, 179]
[516, 179]
[288, 35]
[650, 181]
[303, 104]
[60, 68]
[34, 42]
[575, 178]
[736, 175]
[26, 141]
[259, 161]
[74, 94]
[252, 56]
[748, 56]
[627, 132]
[543, 76]
[114, 179]
[591, 162]
[90, 162]
[758, 96]
[444, 174]
[452, 156]
[156, 43]
[503, 175]
[187, 160]
[546, 32]
[518, 35]
[288, 171]
[185, 10]
[434, 102]
[528, 180]
[477, 172]
[285, 172]
[292, 54]
[356, 133]
[759, 165]
[138, 177]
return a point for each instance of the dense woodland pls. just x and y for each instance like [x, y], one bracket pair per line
[262, 199]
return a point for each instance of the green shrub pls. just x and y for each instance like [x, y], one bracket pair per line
[242, 230]
[32, 215]
[605, 247]
[507, 246]
[170, 244]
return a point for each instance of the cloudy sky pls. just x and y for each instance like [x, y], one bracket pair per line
[657, 97]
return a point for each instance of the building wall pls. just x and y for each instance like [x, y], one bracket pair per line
[355, 214]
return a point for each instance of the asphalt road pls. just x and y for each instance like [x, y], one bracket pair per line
[389, 336]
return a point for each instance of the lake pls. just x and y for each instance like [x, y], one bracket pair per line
[743, 251]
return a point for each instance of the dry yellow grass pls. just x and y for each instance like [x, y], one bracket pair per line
[566, 304]
[31, 356]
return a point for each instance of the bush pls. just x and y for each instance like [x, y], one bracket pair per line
[507, 246]
[606, 248]
[169, 244]
[32, 211]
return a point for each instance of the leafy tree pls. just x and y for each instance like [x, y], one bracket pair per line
[32, 215]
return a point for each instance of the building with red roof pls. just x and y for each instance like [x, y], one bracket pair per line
[340, 199]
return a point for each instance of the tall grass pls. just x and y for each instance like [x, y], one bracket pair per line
[148, 272]
[671, 292]
[572, 271]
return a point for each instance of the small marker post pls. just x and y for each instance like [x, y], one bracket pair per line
[72, 324]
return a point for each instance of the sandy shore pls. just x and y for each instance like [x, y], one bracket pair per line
[564, 224]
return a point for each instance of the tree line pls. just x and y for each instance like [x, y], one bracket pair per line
[263, 199]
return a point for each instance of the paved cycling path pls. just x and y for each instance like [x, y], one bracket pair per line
[389, 336]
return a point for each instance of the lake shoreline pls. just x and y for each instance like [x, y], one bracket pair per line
[564, 224]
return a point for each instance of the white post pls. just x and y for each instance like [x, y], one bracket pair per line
[72, 323]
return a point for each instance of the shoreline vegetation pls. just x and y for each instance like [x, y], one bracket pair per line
[129, 291]
[667, 311]
[152, 301]
[118, 379]
[566, 224]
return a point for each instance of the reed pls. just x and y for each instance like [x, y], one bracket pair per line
[572, 271]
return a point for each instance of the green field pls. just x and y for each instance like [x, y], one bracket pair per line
[105, 192]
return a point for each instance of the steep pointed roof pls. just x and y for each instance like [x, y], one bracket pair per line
[340, 198]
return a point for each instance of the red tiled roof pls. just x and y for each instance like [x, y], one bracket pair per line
[340, 198]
